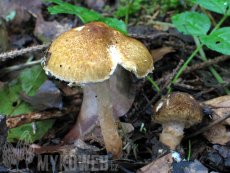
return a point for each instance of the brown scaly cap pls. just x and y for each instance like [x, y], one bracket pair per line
[90, 53]
[178, 106]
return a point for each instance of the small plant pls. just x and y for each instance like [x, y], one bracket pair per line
[198, 25]
[86, 15]
[134, 6]
[175, 4]
[143, 127]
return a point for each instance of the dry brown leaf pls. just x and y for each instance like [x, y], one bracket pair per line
[217, 135]
[220, 106]
[8, 6]
[161, 27]
[195, 167]
[96, 5]
[158, 54]
[87, 124]
[67, 90]
[47, 96]
[49, 30]
[128, 127]
[33, 7]
[161, 165]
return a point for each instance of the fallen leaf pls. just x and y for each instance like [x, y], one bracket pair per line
[162, 164]
[81, 144]
[49, 30]
[161, 27]
[18, 41]
[220, 106]
[47, 96]
[223, 150]
[195, 167]
[158, 54]
[128, 127]
[67, 90]
[34, 7]
[96, 5]
[7, 6]
[29, 80]
[217, 135]
[87, 125]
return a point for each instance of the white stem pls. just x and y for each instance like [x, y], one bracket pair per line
[172, 134]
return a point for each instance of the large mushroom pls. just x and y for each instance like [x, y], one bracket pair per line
[90, 54]
[175, 112]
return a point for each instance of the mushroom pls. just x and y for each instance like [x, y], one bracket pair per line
[90, 54]
[174, 112]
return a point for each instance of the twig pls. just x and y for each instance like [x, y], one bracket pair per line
[154, 36]
[12, 54]
[19, 67]
[221, 85]
[182, 85]
[173, 74]
[207, 127]
[196, 67]
[206, 64]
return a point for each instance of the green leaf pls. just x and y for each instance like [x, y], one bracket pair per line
[115, 23]
[192, 23]
[218, 6]
[83, 13]
[29, 80]
[86, 15]
[218, 41]
[42, 127]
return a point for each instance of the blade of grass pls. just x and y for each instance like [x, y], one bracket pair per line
[183, 67]
[127, 13]
[189, 150]
[154, 84]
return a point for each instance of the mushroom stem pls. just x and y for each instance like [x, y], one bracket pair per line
[172, 134]
[110, 134]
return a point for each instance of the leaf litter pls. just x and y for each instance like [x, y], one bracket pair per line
[10, 96]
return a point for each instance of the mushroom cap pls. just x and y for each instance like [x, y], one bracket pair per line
[90, 53]
[178, 107]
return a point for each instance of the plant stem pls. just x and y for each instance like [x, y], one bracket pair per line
[127, 13]
[189, 150]
[199, 46]
[19, 67]
[214, 72]
[218, 25]
[183, 67]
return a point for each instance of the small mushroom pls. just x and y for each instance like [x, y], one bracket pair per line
[90, 54]
[175, 112]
